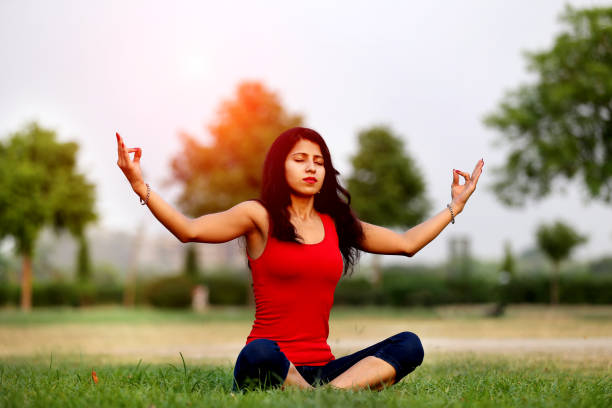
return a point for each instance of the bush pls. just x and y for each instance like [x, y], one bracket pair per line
[602, 266]
[169, 292]
[528, 289]
[57, 293]
[109, 293]
[356, 291]
[586, 289]
[420, 286]
[426, 286]
[471, 289]
[227, 290]
[9, 294]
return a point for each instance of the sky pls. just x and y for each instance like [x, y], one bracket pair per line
[430, 70]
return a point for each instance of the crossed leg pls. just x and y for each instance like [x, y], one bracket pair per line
[295, 379]
[262, 361]
[369, 373]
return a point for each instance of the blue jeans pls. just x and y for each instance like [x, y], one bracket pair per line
[261, 364]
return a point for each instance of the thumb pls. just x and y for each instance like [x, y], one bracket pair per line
[137, 155]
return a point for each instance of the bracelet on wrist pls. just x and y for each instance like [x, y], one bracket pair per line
[146, 200]
[452, 213]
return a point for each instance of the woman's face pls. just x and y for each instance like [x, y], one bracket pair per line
[304, 168]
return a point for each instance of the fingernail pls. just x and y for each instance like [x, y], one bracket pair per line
[457, 171]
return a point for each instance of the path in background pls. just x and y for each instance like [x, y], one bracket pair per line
[570, 334]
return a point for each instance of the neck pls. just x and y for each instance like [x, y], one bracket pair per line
[301, 207]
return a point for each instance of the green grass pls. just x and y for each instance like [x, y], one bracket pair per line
[447, 381]
[117, 314]
[138, 315]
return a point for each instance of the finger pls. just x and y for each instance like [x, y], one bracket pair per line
[137, 154]
[477, 171]
[124, 151]
[463, 174]
[479, 165]
[119, 140]
[119, 155]
[455, 178]
[121, 146]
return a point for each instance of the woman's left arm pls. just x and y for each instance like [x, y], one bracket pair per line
[380, 240]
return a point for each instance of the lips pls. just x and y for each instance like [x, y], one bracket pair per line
[310, 180]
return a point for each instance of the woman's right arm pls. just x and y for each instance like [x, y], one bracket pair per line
[213, 228]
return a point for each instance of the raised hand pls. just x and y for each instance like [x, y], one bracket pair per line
[460, 193]
[130, 168]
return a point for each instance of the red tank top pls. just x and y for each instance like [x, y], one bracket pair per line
[294, 288]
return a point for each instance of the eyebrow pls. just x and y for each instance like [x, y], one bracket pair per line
[306, 154]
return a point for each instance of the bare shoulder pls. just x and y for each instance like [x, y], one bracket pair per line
[256, 212]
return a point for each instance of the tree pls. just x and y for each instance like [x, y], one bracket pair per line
[218, 175]
[557, 241]
[41, 187]
[560, 127]
[191, 268]
[508, 266]
[507, 272]
[83, 259]
[386, 186]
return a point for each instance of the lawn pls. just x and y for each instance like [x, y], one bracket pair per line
[150, 358]
[465, 380]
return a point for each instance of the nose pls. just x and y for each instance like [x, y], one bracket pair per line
[310, 167]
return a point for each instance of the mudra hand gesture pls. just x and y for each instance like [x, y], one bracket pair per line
[130, 168]
[460, 193]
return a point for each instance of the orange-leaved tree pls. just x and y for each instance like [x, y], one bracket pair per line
[228, 170]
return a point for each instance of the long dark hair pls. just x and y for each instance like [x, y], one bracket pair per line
[333, 199]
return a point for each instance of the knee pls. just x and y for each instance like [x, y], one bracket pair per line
[411, 346]
[260, 352]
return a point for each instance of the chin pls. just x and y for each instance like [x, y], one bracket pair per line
[308, 192]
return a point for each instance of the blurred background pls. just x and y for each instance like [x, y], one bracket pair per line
[403, 92]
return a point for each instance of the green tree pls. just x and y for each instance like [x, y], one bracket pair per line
[218, 175]
[191, 268]
[386, 185]
[557, 241]
[560, 127]
[507, 272]
[83, 259]
[41, 187]
[508, 265]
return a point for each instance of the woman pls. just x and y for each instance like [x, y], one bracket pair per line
[300, 236]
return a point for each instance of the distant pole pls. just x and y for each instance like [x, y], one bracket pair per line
[26, 284]
[129, 296]
[459, 259]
